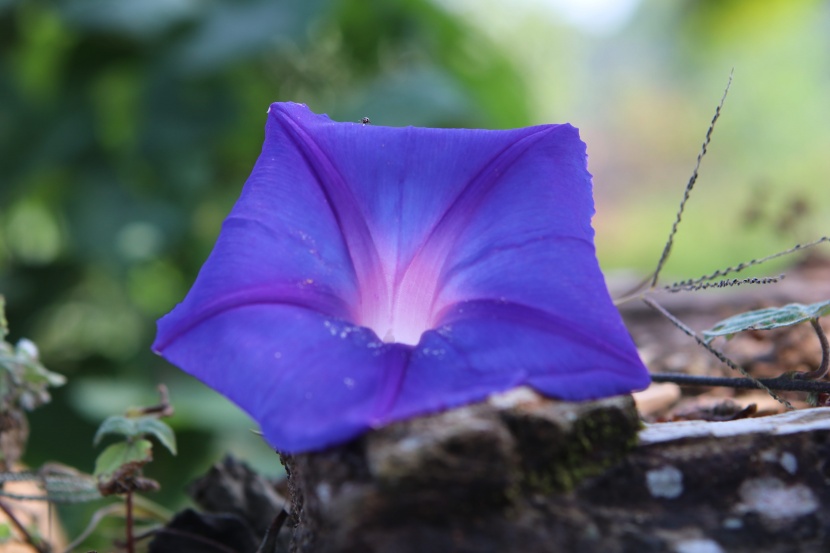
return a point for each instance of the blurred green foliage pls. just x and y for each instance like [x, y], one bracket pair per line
[642, 93]
[24, 381]
[126, 132]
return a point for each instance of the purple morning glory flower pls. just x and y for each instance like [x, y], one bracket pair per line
[368, 274]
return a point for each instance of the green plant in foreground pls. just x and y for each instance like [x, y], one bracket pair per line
[24, 386]
[118, 468]
[768, 319]
[779, 317]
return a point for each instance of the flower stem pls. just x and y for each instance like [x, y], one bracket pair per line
[128, 504]
[825, 355]
[27, 537]
[720, 355]
[786, 383]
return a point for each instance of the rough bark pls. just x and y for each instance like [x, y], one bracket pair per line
[526, 474]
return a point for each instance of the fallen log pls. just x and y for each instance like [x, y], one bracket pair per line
[527, 474]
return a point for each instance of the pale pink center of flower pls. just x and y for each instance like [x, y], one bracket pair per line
[400, 305]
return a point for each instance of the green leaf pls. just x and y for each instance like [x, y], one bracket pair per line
[117, 455]
[162, 432]
[767, 319]
[69, 488]
[34, 374]
[24, 381]
[116, 425]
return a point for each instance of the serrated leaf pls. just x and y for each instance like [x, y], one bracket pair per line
[23, 379]
[32, 371]
[116, 425]
[162, 432]
[62, 488]
[117, 455]
[767, 319]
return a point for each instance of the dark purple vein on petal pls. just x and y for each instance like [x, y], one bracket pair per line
[525, 315]
[441, 239]
[362, 250]
[296, 296]
[474, 194]
[476, 190]
[397, 362]
[482, 256]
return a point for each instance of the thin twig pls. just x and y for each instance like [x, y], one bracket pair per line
[146, 506]
[128, 505]
[681, 287]
[96, 519]
[148, 532]
[27, 537]
[825, 354]
[162, 409]
[151, 509]
[689, 186]
[721, 357]
[635, 292]
[747, 264]
[91, 496]
[786, 383]
[269, 542]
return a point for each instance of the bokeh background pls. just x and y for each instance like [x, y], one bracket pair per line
[127, 129]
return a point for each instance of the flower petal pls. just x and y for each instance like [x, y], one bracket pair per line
[309, 380]
[487, 346]
[423, 194]
[475, 247]
[293, 237]
[520, 288]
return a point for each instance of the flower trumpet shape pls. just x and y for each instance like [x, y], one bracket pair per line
[369, 274]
